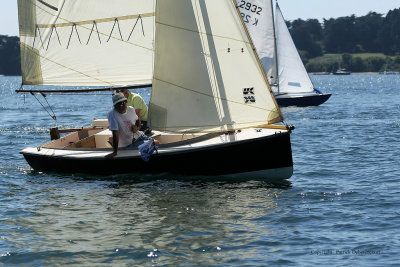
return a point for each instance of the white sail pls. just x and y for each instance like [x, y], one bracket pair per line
[206, 76]
[259, 19]
[293, 77]
[86, 42]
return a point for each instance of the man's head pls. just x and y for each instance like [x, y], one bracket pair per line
[119, 102]
[125, 92]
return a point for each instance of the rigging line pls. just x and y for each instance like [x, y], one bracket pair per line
[48, 5]
[105, 20]
[111, 32]
[134, 26]
[141, 22]
[115, 22]
[211, 96]
[58, 36]
[34, 38]
[51, 33]
[119, 28]
[53, 117]
[77, 33]
[90, 35]
[72, 30]
[97, 30]
[40, 37]
[44, 96]
[214, 35]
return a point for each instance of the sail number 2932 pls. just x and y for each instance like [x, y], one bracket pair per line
[249, 6]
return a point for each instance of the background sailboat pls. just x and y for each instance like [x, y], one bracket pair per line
[211, 105]
[290, 81]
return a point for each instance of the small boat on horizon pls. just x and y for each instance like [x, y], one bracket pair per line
[341, 71]
[389, 72]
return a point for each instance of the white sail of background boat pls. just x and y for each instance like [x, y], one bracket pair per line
[290, 81]
[211, 105]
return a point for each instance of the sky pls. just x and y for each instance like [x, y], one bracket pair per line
[291, 9]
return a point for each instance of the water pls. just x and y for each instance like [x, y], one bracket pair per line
[341, 208]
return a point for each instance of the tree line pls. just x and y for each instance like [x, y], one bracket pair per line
[372, 33]
[315, 41]
[9, 55]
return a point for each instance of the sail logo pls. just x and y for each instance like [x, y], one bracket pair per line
[249, 96]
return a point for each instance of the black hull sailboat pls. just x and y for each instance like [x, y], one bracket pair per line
[235, 157]
[211, 107]
[302, 100]
[292, 85]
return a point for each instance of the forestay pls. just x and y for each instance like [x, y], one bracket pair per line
[207, 77]
[86, 42]
[293, 77]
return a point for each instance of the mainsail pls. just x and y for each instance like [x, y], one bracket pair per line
[259, 19]
[275, 46]
[206, 76]
[86, 42]
[293, 76]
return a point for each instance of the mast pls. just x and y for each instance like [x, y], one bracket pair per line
[276, 47]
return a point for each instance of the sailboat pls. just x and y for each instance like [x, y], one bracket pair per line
[386, 71]
[211, 107]
[290, 81]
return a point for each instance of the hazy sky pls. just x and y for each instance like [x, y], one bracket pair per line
[291, 9]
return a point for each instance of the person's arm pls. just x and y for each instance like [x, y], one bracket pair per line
[138, 123]
[115, 140]
[136, 127]
[138, 111]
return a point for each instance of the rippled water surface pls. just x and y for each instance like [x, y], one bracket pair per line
[341, 208]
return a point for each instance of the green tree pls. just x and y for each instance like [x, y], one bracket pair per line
[9, 55]
[390, 32]
[367, 30]
[307, 36]
[339, 35]
[347, 61]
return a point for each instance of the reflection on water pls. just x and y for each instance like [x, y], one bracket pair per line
[100, 221]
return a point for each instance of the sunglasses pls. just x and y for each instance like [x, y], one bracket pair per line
[120, 104]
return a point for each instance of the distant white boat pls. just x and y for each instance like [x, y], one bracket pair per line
[341, 71]
[389, 72]
[281, 61]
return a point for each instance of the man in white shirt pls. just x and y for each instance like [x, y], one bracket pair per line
[122, 122]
